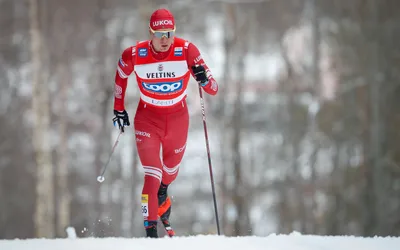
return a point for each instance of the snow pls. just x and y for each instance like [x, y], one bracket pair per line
[294, 241]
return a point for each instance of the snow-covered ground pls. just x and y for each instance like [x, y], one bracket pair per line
[293, 241]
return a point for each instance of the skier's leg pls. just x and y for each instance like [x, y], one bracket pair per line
[174, 145]
[148, 143]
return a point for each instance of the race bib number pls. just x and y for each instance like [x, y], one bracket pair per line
[145, 205]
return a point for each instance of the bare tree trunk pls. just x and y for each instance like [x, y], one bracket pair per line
[333, 220]
[313, 111]
[373, 173]
[63, 75]
[103, 92]
[301, 210]
[127, 172]
[44, 213]
[282, 210]
[242, 223]
[63, 195]
[229, 42]
[238, 189]
[376, 135]
[291, 143]
[295, 174]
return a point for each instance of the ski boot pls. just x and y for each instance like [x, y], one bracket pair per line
[164, 209]
[151, 229]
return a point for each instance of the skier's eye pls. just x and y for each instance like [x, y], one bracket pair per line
[160, 34]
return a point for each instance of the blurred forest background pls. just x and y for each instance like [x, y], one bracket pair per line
[304, 131]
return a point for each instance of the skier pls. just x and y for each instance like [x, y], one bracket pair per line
[162, 66]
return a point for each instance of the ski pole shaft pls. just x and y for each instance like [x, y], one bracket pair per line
[101, 178]
[209, 158]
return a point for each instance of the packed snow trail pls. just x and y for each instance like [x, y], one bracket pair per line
[272, 242]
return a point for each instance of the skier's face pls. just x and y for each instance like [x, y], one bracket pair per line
[162, 39]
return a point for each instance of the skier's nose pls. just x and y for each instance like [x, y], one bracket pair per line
[164, 39]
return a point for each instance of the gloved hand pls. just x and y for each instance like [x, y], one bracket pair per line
[200, 75]
[121, 119]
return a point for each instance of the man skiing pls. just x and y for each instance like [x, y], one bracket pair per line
[162, 65]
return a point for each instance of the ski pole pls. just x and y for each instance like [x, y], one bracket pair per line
[209, 157]
[101, 178]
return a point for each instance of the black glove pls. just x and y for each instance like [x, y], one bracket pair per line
[200, 75]
[121, 119]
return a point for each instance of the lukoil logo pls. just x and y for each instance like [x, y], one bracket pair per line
[162, 22]
[167, 87]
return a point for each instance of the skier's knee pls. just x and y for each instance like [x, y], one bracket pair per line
[169, 174]
[153, 172]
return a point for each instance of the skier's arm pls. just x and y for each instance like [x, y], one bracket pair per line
[194, 58]
[124, 69]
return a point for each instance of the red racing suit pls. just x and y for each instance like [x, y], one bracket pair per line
[161, 121]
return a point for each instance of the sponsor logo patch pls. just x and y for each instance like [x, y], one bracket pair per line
[162, 22]
[143, 52]
[162, 102]
[178, 51]
[160, 75]
[164, 88]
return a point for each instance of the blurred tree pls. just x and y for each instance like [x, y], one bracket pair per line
[62, 72]
[44, 213]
